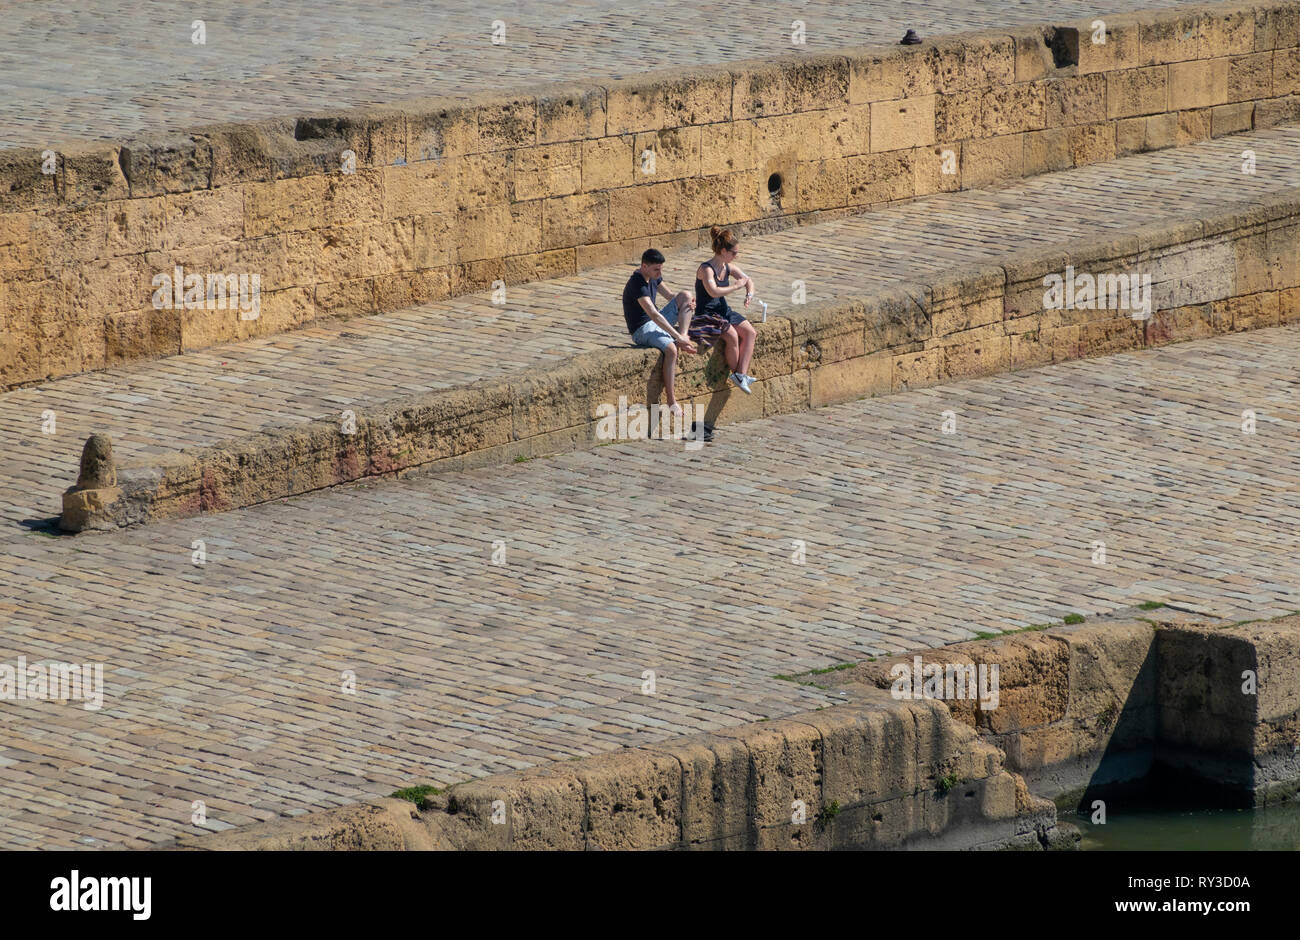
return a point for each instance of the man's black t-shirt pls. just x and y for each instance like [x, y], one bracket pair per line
[638, 287]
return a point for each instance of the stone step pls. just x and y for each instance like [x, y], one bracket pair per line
[943, 288]
[265, 62]
[497, 620]
[111, 250]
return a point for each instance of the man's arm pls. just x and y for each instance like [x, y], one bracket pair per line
[690, 303]
[659, 320]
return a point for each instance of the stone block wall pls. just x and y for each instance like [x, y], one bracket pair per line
[1230, 700]
[1217, 703]
[1079, 706]
[1233, 271]
[366, 211]
[876, 775]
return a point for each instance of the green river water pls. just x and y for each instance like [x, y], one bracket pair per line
[1151, 827]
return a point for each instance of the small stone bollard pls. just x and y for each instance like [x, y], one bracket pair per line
[96, 487]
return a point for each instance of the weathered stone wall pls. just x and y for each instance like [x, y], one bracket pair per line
[1230, 700]
[1218, 703]
[1232, 271]
[448, 197]
[1078, 707]
[867, 776]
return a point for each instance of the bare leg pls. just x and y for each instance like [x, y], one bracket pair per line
[670, 375]
[747, 335]
[731, 345]
[684, 313]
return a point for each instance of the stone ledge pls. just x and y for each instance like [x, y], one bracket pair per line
[359, 211]
[863, 775]
[878, 771]
[1102, 703]
[974, 321]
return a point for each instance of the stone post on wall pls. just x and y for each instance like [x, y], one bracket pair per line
[96, 487]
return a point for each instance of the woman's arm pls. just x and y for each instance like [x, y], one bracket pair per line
[743, 279]
[706, 275]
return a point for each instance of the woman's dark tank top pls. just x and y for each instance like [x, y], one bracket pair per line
[706, 304]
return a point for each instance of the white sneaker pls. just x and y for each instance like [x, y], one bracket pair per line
[749, 382]
[739, 381]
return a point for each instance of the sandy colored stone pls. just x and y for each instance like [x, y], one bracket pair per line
[389, 825]
[1174, 38]
[1232, 119]
[1012, 109]
[540, 265]
[715, 792]
[987, 162]
[851, 379]
[1077, 100]
[786, 394]
[549, 170]
[957, 116]
[204, 218]
[898, 125]
[283, 206]
[90, 173]
[806, 83]
[667, 154]
[162, 162]
[667, 98]
[481, 179]
[1198, 84]
[1137, 91]
[643, 210]
[1273, 111]
[878, 74]
[1254, 311]
[1048, 151]
[633, 800]
[717, 200]
[880, 177]
[506, 122]
[1250, 77]
[823, 185]
[1092, 143]
[1121, 49]
[1227, 30]
[543, 809]
[725, 148]
[570, 112]
[575, 220]
[416, 188]
[375, 135]
[437, 128]
[608, 163]
[1043, 347]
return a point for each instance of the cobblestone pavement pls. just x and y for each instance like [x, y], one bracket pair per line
[224, 683]
[110, 69]
[211, 395]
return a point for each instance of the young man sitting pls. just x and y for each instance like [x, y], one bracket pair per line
[658, 328]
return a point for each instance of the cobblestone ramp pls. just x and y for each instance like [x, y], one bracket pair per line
[112, 69]
[226, 682]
